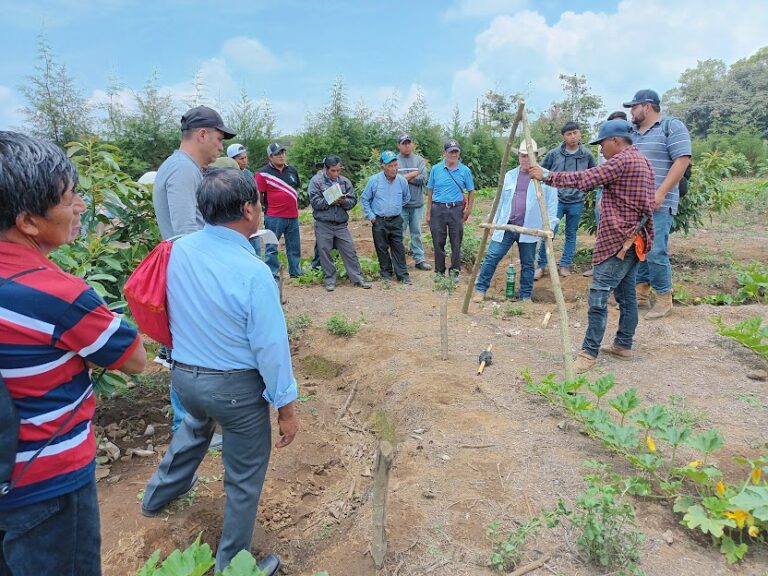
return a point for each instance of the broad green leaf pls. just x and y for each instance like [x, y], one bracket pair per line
[753, 499]
[671, 488]
[619, 435]
[625, 402]
[648, 462]
[638, 486]
[577, 403]
[674, 435]
[602, 385]
[149, 567]
[733, 553]
[697, 517]
[595, 416]
[707, 442]
[106, 277]
[683, 503]
[243, 564]
[653, 417]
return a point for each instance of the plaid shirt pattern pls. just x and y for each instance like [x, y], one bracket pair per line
[628, 194]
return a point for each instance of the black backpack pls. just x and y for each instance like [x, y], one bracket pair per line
[682, 186]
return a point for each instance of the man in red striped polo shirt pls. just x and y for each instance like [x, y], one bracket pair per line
[279, 186]
[53, 327]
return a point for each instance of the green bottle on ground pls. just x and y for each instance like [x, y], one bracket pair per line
[510, 293]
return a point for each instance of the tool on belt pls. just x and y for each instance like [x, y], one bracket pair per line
[635, 239]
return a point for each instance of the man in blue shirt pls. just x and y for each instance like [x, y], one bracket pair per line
[383, 200]
[231, 358]
[446, 212]
[667, 145]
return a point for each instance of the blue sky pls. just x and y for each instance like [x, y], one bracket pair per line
[290, 51]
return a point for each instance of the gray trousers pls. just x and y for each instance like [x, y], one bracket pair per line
[234, 400]
[328, 236]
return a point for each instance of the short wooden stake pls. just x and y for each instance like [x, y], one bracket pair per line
[380, 487]
[444, 327]
[545, 322]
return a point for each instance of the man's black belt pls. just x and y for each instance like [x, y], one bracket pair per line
[388, 217]
[449, 204]
[202, 370]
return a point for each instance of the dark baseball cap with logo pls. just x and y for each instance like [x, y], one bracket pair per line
[204, 117]
[451, 145]
[643, 97]
[404, 137]
[274, 149]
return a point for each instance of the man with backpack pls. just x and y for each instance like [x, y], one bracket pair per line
[666, 143]
[53, 329]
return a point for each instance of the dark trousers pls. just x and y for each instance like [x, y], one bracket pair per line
[235, 401]
[57, 536]
[447, 223]
[388, 238]
[330, 235]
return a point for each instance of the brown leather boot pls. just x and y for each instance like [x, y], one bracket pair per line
[643, 291]
[662, 308]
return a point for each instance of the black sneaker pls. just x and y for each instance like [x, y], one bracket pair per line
[330, 287]
[455, 275]
[405, 280]
[423, 266]
[365, 285]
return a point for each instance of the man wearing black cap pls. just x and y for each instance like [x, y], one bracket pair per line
[414, 169]
[446, 212]
[174, 194]
[279, 186]
[665, 141]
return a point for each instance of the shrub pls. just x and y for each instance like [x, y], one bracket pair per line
[340, 325]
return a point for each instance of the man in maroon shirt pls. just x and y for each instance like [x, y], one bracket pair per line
[628, 196]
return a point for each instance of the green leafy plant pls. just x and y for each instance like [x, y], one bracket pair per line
[753, 283]
[197, 560]
[605, 522]
[298, 324]
[508, 546]
[707, 501]
[750, 333]
[340, 325]
[444, 284]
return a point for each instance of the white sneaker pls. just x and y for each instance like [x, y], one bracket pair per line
[162, 361]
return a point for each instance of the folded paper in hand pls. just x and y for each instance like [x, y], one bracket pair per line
[332, 193]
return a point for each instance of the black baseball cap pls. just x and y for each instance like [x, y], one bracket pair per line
[404, 137]
[274, 148]
[643, 97]
[451, 145]
[204, 117]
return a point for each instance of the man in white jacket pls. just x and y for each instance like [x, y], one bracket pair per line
[518, 206]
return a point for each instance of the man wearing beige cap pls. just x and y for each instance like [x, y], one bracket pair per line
[520, 207]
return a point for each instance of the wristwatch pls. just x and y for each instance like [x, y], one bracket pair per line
[544, 174]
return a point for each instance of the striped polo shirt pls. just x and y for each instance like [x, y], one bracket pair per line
[50, 324]
[663, 150]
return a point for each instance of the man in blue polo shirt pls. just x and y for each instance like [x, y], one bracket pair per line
[446, 212]
[666, 143]
[383, 200]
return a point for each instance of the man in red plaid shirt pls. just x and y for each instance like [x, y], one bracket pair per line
[628, 198]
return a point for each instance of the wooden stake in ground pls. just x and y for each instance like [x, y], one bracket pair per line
[444, 327]
[494, 206]
[565, 337]
[380, 486]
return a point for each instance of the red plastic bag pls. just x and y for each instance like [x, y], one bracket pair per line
[145, 292]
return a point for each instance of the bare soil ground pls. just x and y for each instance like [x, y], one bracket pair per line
[470, 449]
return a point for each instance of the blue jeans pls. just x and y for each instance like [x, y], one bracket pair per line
[656, 270]
[412, 218]
[497, 251]
[58, 536]
[289, 227]
[619, 276]
[572, 213]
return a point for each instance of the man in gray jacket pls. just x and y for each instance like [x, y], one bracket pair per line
[331, 219]
[174, 194]
[570, 156]
[414, 169]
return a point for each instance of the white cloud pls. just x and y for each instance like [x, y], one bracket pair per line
[643, 44]
[250, 54]
[483, 8]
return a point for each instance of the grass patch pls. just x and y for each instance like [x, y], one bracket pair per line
[384, 427]
[320, 368]
[340, 325]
